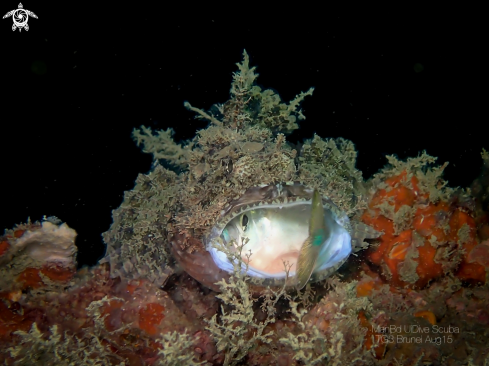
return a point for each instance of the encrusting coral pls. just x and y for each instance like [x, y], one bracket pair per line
[417, 295]
[429, 229]
[37, 255]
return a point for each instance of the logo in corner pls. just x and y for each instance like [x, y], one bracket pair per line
[20, 17]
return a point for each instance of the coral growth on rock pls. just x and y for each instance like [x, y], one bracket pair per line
[35, 255]
[96, 320]
[429, 229]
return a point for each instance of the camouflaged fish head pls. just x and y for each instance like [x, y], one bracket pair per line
[288, 234]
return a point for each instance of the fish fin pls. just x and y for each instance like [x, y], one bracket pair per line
[306, 262]
[316, 221]
[309, 252]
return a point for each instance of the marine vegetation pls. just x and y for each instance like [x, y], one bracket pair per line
[239, 248]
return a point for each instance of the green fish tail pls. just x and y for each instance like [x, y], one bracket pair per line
[309, 252]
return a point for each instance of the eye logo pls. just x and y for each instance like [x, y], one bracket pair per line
[20, 17]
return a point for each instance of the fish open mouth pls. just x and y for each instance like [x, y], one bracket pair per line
[276, 265]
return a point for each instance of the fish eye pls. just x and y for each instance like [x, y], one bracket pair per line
[244, 222]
